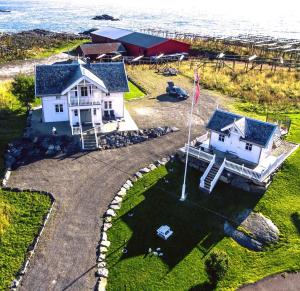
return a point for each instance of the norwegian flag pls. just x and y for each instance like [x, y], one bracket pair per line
[197, 88]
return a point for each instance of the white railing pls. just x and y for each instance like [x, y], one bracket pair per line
[198, 153]
[81, 135]
[234, 167]
[207, 171]
[242, 170]
[84, 101]
[272, 167]
[217, 176]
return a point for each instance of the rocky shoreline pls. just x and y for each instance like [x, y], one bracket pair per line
[26, 44]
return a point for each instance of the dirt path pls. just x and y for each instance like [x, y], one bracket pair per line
[8, 71]
[280, 282]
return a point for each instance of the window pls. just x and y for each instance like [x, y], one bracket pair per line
[248, 146]
[84, 91]
[107, 105]
[221, 137]
[95, 111]
[75, 112]
[90, 90]
[107, 94]
[59, 108]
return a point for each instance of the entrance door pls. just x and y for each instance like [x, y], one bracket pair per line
[85, 115]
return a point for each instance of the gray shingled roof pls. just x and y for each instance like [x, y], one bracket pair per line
[256, 131]
[53, 79]
[142, 39]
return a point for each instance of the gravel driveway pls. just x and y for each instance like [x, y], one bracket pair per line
[84, 184]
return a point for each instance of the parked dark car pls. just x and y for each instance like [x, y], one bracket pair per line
[176, 91]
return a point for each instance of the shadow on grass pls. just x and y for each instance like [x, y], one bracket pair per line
[296, 220]
[197, 222]
[206, 286]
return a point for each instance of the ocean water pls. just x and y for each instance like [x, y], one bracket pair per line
[211, 17]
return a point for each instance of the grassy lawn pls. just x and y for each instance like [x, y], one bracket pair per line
[198, 229]
[21, 214]
[134, 92]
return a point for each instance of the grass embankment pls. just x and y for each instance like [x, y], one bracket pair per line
[32, 45]
[21, 215]
[262, 91]
[134, 92]
[197, 230]
[12, 119]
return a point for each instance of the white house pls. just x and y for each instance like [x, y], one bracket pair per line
[238, 145]
[81, 93]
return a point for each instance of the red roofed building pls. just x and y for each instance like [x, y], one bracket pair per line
[137, 43]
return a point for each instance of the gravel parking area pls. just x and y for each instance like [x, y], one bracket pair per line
[84, 184]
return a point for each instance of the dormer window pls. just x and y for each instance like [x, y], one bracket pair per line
[107, 94]
[221, 137]
[248, 146]
[84, 91]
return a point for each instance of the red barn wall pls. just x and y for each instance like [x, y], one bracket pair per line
[169, 47]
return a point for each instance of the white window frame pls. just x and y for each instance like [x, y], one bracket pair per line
[222, 137]
[107, 105]
[84, 90]
[248, 146]
[59, 108]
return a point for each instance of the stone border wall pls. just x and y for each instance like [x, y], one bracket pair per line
[104, 243]
[32, 247]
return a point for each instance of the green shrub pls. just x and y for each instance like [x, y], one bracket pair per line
[23, 89]
[216, 266]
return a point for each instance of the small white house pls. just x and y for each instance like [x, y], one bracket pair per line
[81, 93]
[249, 139]
[236, 145]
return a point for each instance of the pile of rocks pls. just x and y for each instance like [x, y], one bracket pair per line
[114, 206]
[24, 150]
[125, 138]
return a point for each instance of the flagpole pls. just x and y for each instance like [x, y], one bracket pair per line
[183, 193]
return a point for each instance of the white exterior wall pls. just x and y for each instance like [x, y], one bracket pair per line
[234, 145]
[49, 113]
[117, 103]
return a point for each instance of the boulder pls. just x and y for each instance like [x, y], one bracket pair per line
[121, 193]
[107, 219]
[115, 206]
[152, 167]
[105, 243]
[106, 226]
[102, 284]
[103, 250]
[110, 212]
[117, 200]
[102, 272]
[144, 170]
[101, 264]
[139, 175]
[103, 235]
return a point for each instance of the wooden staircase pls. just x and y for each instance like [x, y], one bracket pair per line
[89, 142]
[210, 176]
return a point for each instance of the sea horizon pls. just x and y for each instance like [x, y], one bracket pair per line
[203, 18]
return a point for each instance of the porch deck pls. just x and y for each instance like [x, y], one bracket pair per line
[200, 149]
[39, 128]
